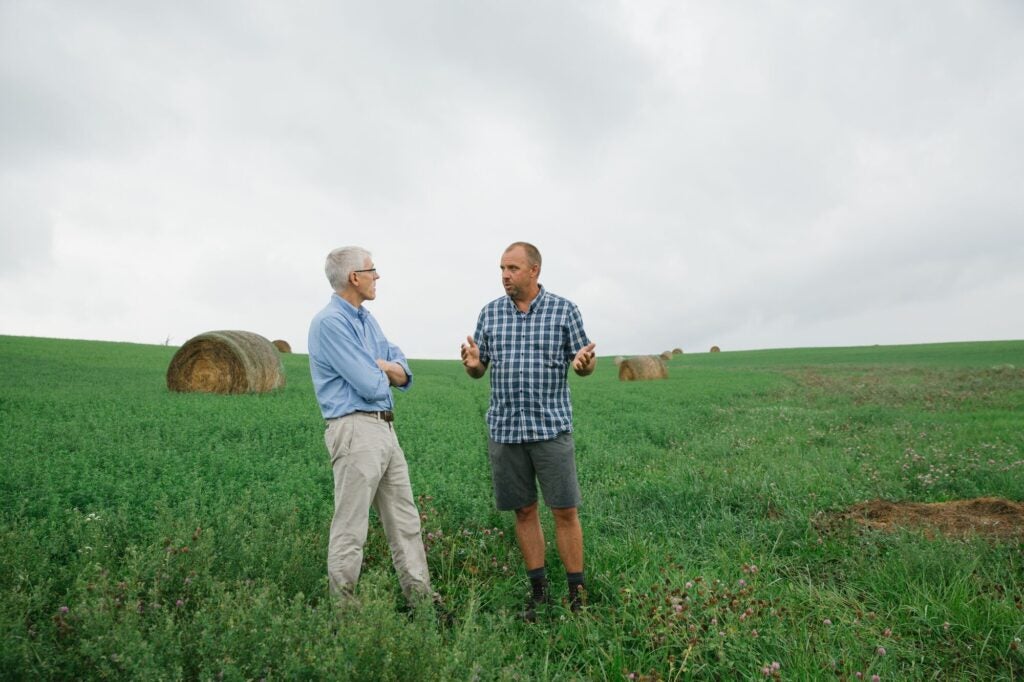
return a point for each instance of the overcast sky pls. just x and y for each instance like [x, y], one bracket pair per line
[746, 174]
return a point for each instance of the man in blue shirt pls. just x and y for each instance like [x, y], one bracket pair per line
[529, 338]
[354, 367]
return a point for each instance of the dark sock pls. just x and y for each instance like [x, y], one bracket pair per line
[538, 582]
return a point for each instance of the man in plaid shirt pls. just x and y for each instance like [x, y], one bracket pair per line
[529, 338]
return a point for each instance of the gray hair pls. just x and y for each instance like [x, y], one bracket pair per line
[342, 262]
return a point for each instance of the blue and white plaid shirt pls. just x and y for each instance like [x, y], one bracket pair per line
[529, 355]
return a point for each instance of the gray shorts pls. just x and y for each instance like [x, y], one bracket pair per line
[516, 468]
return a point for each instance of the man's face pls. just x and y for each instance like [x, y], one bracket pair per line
[366, 281]
[517, 275]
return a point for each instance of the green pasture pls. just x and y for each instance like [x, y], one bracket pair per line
[152, 535]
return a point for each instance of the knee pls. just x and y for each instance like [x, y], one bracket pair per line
[565, 517]
[525, 514]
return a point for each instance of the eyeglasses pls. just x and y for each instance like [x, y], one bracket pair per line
[373, 270]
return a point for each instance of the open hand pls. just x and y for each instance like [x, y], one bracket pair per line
[585, 360]
[471, 359]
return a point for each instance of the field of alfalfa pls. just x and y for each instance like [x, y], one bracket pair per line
[750, 517]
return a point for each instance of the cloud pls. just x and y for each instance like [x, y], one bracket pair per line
[694, 174]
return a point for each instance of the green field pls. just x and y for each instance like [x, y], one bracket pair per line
[152, 535]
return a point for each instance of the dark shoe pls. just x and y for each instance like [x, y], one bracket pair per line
[445, 618]
[535, 603]
[430, 605]
[577, 598]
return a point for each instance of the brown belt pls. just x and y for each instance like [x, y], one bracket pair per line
[386, 415]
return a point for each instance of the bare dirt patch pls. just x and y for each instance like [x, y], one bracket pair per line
[990, 517]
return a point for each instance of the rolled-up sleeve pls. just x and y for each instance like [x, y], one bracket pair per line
[395, 354]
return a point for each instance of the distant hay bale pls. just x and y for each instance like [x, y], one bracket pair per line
[677, 351]
[642, 368]
[618, 360]
[667, 355]
[282, 345]
[716, 349]
[226, 362]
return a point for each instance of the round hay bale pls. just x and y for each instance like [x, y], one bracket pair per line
[226, 362]
[282, 346]
[618, 360]
[677, 351]
[643, 368]
[716, 349]
[667, 355]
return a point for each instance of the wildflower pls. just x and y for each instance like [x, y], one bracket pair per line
[876, 678]
[754, 633]
[827, 622]
[179, 603]
[859, 675]
[742, 582]
[880, 651]
[766, 671]
[63, 609]
[689, 585]
[775, 666]
[887, 632]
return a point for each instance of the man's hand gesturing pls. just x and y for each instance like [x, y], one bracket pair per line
[471, 359]
[585, 361]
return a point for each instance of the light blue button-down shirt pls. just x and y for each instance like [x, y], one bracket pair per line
[344, 345]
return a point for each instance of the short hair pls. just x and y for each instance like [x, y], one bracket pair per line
[532, 253]
[342, 262]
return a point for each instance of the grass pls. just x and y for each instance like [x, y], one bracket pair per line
[182, 536]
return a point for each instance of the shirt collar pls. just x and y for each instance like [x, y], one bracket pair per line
[349, 310]
[533, 304]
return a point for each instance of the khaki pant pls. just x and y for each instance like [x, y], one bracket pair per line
[370, 469]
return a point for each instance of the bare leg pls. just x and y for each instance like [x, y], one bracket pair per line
[530, 536]
[569, 537]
